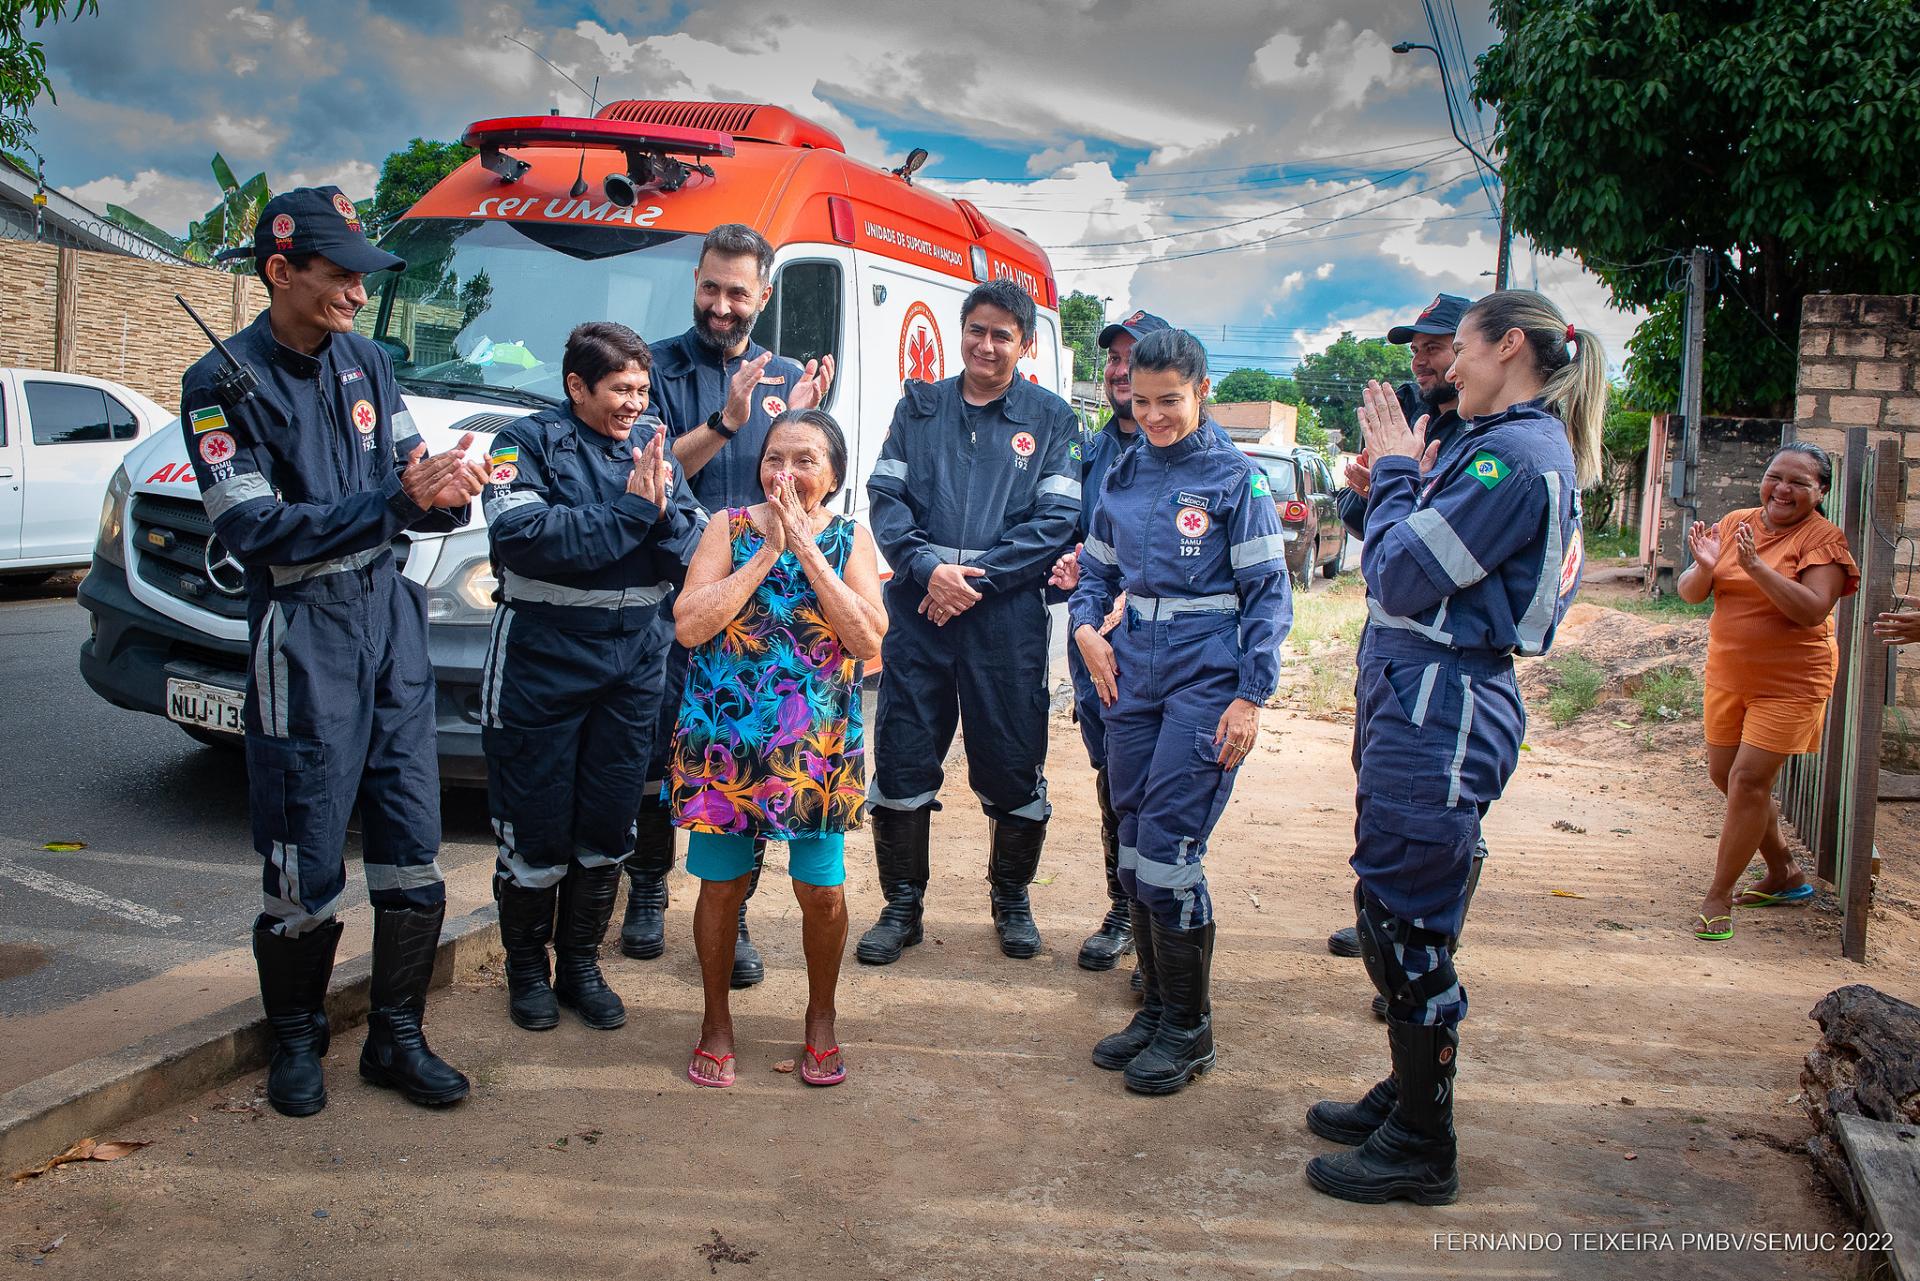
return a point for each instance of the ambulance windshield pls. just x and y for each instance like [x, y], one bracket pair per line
[485, 306]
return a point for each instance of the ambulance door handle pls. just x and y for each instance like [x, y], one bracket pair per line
[6, 473]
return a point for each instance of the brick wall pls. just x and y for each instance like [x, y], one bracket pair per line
[126, 325]
[1860, 367]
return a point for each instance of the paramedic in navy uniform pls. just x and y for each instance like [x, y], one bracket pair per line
[1466, 565]
[1185, 527]
[974, 496]
[308, 481]
[718, 391]
[591, 526]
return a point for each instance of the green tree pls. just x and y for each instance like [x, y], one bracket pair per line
[1781, 135]
[1331, 381]
[407, 175]
[23, 63]
[1080, 316]
[1243, 385]
[228, 225]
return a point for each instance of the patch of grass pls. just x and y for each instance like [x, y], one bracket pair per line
[1670, 608]
[1329, 689]
[1613, 543]
[1669, 694]
[1329, 614]
[1574, 683]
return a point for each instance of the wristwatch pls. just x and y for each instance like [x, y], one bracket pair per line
[715, 424]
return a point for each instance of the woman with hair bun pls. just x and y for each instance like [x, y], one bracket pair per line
[1469, 560]
[1775, 573]
[1186, 528]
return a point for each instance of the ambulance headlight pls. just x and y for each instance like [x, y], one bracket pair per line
[460, 589]
[113, 520]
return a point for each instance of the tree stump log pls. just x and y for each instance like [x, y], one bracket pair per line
[1867, 1063]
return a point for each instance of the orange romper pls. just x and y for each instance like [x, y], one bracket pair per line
[1768, 678]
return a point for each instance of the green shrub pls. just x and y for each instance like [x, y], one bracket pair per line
[1574, 683]
[1669, 694]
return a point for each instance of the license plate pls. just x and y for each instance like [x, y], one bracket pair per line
[207, 706]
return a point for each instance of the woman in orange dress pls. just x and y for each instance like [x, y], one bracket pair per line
[1775, 572]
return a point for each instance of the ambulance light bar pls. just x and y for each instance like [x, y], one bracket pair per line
[582, 131]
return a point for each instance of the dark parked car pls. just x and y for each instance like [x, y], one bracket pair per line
[1302, 486]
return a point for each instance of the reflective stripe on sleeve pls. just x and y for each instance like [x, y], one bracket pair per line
[1531, 631]
[495, 508]
[284, 574]
[1439, 538]
[1064, 486]
[1099, 551]
[892, 468]
[955, 555]
[1257, 551]
[230, 493]
[520, 588]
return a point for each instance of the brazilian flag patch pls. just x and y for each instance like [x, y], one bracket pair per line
[1073, 451]
[212, 418]
[1260, 487]
[1487, 469]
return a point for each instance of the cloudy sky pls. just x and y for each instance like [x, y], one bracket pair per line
[1267, 174]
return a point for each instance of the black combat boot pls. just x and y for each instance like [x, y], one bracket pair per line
[1114, 1052]
[748, 968]
[586, 905]
[1013, 858]
[1352, 1123]
[1182, 1046]
[1411, 1155]
[1344, 941]
[900, 850]
[293, 988]
[643, 931]
[396, 1056]
[526, 928]
[1114, 939]
[1139, 980]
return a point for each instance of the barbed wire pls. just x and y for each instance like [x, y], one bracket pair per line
[53, 231]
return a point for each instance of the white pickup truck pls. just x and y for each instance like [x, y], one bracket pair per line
[61, 437]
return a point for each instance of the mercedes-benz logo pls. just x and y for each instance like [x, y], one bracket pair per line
[228, 575]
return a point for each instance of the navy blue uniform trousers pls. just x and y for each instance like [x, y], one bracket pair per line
[339, 710]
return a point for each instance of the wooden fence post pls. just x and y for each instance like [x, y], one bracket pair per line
[1855, 519]
[66, 306]
[1867, 691]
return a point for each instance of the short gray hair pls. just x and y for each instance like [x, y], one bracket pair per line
[737, 240]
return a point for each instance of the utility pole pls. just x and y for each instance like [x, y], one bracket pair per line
[1504, 263]
[1693, 349]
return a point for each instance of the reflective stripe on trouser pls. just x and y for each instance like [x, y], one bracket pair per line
[1087, 708]
[568, 760]
[1410, 966]
[1441, 734]
[340, 710]
[1163, 769]
[987, 669]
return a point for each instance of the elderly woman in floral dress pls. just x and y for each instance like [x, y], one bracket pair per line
[781, 607]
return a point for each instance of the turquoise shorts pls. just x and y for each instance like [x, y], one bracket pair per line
[811, 860]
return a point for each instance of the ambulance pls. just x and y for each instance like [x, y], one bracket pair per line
[556, 221]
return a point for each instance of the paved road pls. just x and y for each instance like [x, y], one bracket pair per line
[168, 876]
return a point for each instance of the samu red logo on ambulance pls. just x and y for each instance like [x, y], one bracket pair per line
[1024, 444]
[774, 406]
[1192, 522]
[216, 447]
[921, 353]
[364, 419]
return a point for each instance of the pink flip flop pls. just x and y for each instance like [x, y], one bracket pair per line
[718, 1061]
[838, 1075]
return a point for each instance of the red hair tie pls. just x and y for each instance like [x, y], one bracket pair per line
[1570, 337]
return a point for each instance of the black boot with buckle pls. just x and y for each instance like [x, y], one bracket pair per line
[293, 987]
[900, 851]
[397, 1057]
[1412, 1154]
[1013, 858]
[1182, 1046]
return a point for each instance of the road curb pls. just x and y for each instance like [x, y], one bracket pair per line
[45, 1116]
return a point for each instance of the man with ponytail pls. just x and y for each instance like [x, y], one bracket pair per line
[1466, 565]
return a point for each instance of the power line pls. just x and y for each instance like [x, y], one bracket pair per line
[1176, 192]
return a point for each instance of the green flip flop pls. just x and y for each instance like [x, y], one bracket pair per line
[1709, 932]
[1785, 898]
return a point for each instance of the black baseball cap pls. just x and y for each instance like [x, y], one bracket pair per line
[1139, 324]
[1442, 316]
[318, 220]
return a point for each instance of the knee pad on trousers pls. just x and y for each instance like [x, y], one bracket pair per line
[1383, 941]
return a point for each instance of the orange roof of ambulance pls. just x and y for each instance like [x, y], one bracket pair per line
[789, 178]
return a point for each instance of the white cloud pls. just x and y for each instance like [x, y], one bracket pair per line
[1054, 159]
[1324, 270]
[255, 138]
[356, 178]
[168, 202]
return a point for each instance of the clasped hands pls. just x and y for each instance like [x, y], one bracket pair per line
[442, 480]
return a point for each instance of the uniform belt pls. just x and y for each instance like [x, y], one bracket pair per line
[519, 589]
[1149, 608]
[286, 574]
[955, 555]
[1382, 642]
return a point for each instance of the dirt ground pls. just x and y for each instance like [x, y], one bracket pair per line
[1622, 1084]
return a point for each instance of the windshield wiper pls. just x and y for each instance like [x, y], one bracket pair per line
[512, 395]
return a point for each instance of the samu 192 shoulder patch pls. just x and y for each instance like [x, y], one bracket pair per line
[1487, 469]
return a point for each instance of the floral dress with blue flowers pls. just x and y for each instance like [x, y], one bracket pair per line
[770, 741]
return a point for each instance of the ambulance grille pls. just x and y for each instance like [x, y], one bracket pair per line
[170, 548]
